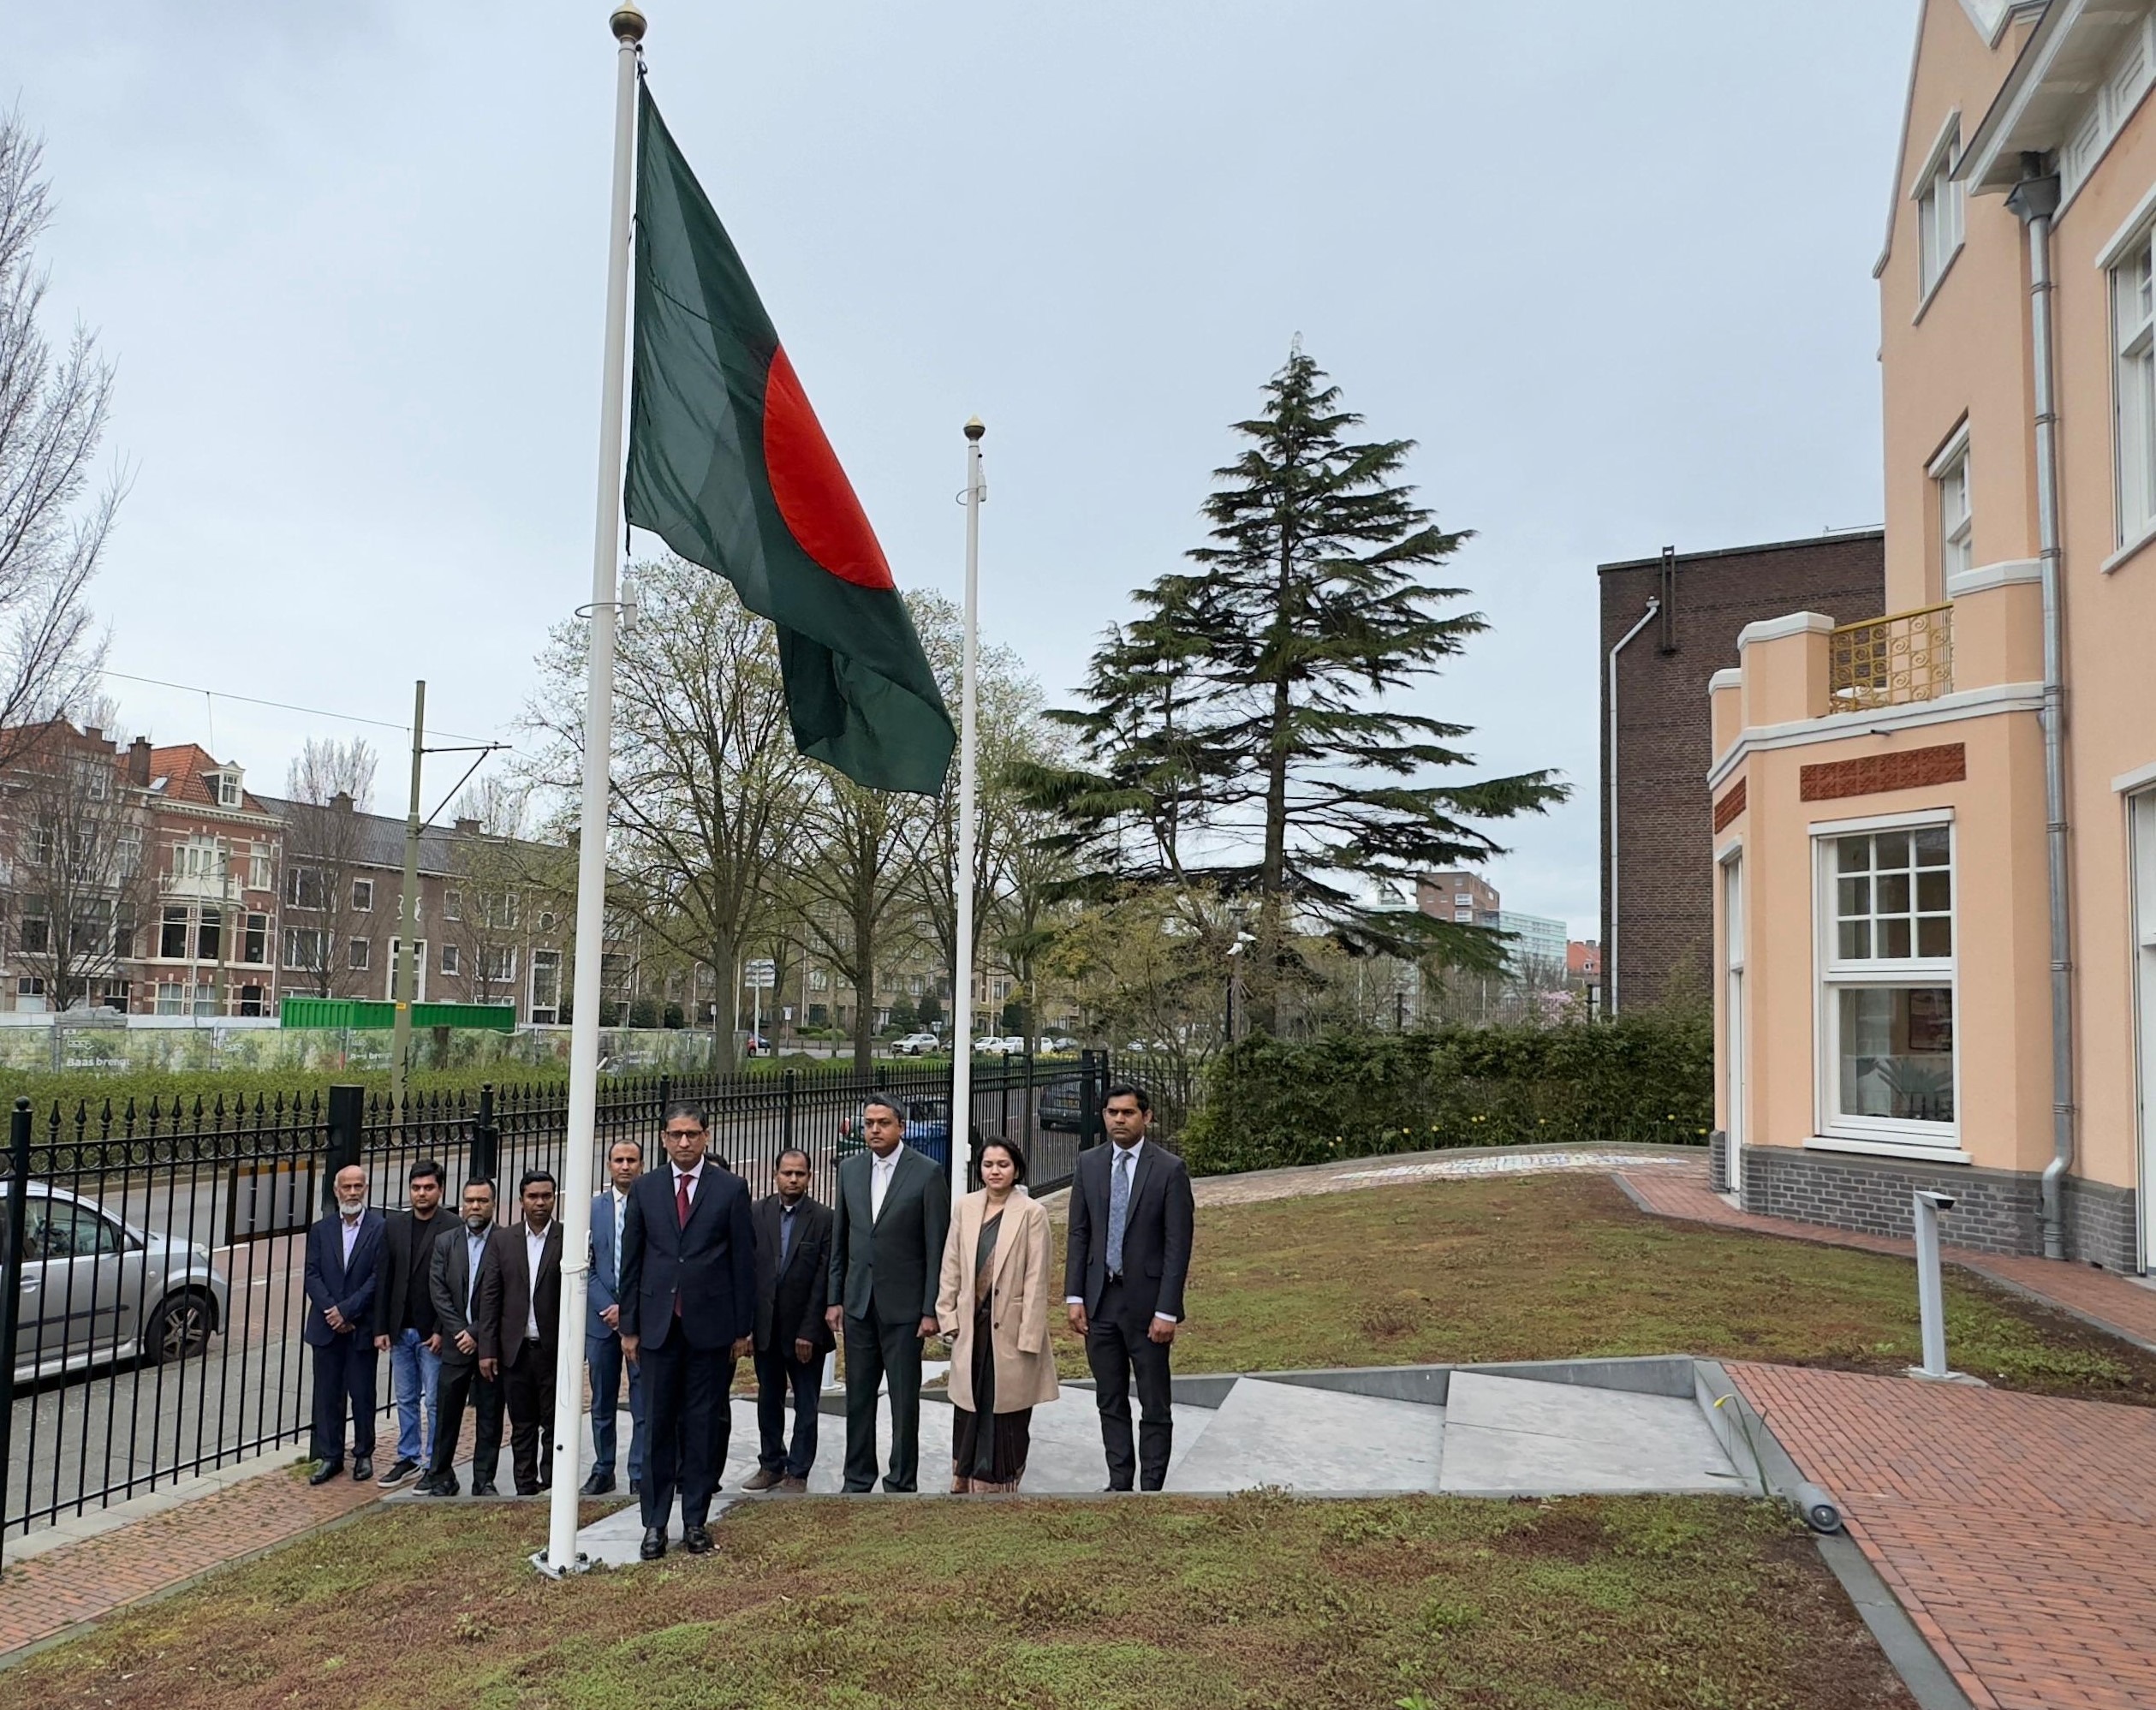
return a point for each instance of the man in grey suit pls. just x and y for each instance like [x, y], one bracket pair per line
[602, 1332]
[886, 1263]
[1131, 1219]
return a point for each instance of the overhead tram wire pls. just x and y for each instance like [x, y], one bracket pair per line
[288, 707]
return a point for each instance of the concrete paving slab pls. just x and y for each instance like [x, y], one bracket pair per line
[1510, 1434]
[1308, 1439]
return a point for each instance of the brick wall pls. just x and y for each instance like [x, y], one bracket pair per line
[1996, 1210]
[1665, 891]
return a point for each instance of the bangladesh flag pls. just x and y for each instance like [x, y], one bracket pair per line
[729, 466]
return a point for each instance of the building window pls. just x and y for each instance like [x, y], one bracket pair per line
[1938, 211]
[1949, 477]
[171, 997]
[127, 854]
[303, 887]
[359, 954]
[453, 905]
[35, 935]
[259, 867]
[363, 895]
[498, 961]
[307, 949]
[251, 1001]
[2134, 383]
[254, 945]
[546, 986]
[1887, 999]
[209, 936]
[449, 959]
[172, 936]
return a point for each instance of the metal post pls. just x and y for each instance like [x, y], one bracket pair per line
[404, 972]
[628, 26]
[347, 1138]
[1930, 1302]
[11, 1258]
[485, 1147]
[786, 1113]
[962, 1042]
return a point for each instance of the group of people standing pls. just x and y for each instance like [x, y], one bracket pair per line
[687, 1278]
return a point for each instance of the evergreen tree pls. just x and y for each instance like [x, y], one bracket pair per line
[1239, 733]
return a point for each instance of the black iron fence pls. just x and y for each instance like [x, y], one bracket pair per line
[152, 1257]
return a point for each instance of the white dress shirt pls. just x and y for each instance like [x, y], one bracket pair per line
[881, 1171]
[1114, 1164]
[695, 1178]
[351, 1230]
[534, 1247]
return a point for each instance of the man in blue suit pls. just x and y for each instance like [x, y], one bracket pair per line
[343, 1256]
[687, 1295]
[602, 1328]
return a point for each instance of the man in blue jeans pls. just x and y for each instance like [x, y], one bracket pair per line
[406, 1328]
[602, 1336]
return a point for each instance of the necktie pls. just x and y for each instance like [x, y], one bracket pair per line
[786, 1234]
[1118, 1212]
[680, 1199]
[621, 1205]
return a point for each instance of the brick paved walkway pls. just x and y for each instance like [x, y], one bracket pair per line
[50, 1592]
[2016, 1530]
[2118, 1304]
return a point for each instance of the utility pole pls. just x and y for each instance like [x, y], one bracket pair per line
[404, 962]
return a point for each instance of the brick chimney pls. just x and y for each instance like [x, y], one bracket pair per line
[467, 828]
[341, 801]
[139, 762]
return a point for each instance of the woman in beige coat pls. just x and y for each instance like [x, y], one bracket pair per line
[993, 1309]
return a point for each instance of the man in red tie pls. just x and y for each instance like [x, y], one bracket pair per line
[688, 1296]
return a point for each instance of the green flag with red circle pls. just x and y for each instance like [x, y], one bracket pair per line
[728, 465]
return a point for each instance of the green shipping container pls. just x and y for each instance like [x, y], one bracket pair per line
[362, 1014]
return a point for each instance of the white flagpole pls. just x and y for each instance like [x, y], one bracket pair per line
[574, 1204]
[961, 1037]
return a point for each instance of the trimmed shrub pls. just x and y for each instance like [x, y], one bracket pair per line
[1645, 1076]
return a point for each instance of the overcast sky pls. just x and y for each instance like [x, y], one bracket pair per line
[1610, 265]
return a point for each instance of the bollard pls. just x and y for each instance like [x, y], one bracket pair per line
[1931, 1304]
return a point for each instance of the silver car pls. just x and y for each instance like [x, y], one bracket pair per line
[96, 1288]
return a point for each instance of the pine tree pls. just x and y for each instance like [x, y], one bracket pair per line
[1249, 702]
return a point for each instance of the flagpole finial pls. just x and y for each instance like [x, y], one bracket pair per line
[974, 429]
[626, 23]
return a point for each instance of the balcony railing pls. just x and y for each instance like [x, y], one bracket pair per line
[1892, 661]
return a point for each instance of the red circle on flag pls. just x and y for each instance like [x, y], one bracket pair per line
[813, 493]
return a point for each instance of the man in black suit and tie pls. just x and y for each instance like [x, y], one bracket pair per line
[344, 1261]
[688, 1312]
[793, 1267]
[886, 1264]
[461, 1260]
[1131, 1219]
[519, 1328]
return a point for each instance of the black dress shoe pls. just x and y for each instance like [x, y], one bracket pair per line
[527, 1490]
[363, 1469]
[484, 1487]
[599, 1484]
[696, 1540]
[326, 1471]
[654, 1544]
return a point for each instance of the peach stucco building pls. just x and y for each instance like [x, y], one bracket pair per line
[1935, 832]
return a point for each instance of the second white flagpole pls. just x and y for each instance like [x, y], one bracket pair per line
[961, 1036]
[574, 1205]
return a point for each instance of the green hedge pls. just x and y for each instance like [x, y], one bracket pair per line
[1648, 1076]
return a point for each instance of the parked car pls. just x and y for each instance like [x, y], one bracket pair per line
[927, 1129]
[1057, 1105]
[1001, 1045]
[916, 1045]
[1057, 1045]
[96, 1288]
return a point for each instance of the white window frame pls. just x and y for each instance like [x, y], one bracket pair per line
[1949, 474]
[1941, 201]
[258, 867]
[450, 960]
[363, 888]
[227, 790]
[2132, 279]
[1834, 1130]
[358, 954]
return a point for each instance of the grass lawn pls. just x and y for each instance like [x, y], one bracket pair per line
[1549, 1266]
[1256, 1601]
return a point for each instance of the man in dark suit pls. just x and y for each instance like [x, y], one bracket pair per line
[887, 1226]
[519, 1328]
[1131, 1217]
[601, 1328]
[688, 1312]
[343, 1264]
[462, 1259]
[793, 1268]
[404, 1329]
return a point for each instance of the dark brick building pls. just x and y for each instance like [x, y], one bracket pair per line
[1662, 937]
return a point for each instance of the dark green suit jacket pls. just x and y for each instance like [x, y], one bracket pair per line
[894, 1261]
